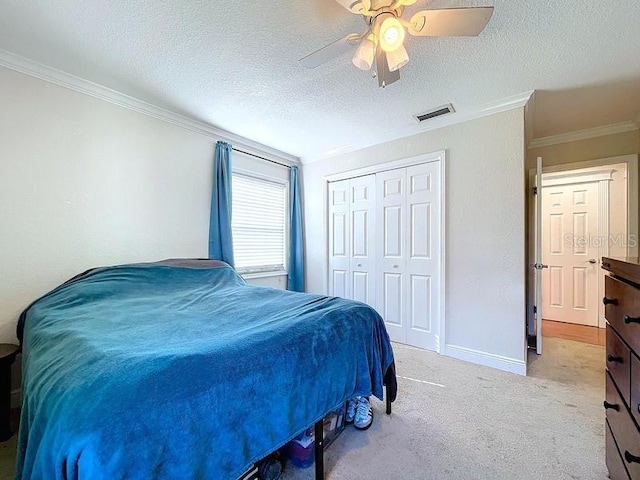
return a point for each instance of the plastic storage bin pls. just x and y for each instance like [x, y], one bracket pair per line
[300, 449]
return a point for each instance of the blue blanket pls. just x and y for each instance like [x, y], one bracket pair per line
[164, 372]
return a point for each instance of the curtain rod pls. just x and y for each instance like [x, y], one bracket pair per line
[261, 158]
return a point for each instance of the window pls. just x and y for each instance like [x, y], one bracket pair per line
[258, 224]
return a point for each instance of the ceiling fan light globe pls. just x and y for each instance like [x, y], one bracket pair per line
[365, 54]
[391, 34]
[397, 58]
[356, 6]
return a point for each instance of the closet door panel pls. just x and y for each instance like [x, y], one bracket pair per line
[420, 303]
[423, 254]
[339, 239]
[392, 310]
[390, 262]
[362, 261]
[392, 231]
[339, 283]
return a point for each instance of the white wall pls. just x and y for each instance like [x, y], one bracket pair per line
[618, 209]
[606, 146]
[485, 233]
[85, 183]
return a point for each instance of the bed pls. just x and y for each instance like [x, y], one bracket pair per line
[180, 369]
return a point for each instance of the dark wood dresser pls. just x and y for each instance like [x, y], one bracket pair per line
[622, 404]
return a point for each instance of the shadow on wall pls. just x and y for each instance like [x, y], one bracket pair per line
[570, 110]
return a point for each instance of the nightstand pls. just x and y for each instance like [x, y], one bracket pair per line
[8, 354]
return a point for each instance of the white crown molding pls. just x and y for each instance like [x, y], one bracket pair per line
[508, 103]
[583, 134]
[63, 79]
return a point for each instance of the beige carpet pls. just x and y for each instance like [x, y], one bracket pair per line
[472, 422]
[454, 420]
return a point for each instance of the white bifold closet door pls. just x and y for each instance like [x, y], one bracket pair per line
[339, 254]
[384, 248]
[352, 239]
[408, 258]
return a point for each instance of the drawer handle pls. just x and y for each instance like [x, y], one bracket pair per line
[631, 458]
[612, 406]
[627, 319]
[612, 359]
[610, 301]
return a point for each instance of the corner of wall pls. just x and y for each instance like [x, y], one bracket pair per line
[529, 120]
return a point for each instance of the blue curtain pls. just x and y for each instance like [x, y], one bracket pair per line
[220, 239]
[295, 280]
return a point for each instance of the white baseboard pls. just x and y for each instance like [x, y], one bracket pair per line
[487, 359]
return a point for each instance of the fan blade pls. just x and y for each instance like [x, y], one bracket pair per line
[385, 76]
[332, 50]
[356, 6]
[450, 22]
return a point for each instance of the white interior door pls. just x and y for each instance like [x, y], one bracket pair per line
[570, 236]
[339, 230]
[362, 257]
[538, 265]
[391, 257]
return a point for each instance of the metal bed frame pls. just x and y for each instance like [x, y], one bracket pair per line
[318, 431]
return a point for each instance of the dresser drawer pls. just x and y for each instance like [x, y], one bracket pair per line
[615, 464]
[618, 358]
[624, 430]
[622, 310]
[635, 388]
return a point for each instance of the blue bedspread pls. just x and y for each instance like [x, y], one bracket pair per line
[162, 372]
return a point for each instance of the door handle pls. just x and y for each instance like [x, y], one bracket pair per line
[629, 319]
[631, 458]
[592, 261]
[614, 359]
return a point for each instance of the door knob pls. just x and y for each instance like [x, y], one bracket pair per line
[592, 261]
[395, 266]
[538, 266]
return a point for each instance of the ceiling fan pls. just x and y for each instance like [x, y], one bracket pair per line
[383, 40]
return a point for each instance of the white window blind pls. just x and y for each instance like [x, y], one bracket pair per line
[258, 224]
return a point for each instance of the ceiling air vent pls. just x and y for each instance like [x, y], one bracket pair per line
[436, 112]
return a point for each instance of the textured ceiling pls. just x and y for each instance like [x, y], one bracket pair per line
[234, 64]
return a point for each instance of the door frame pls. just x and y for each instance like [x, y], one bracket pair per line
[439, 156]
[632, 213]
